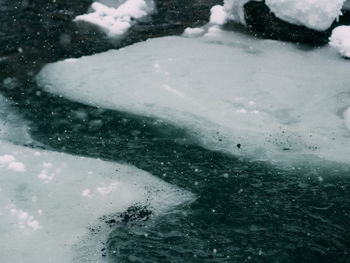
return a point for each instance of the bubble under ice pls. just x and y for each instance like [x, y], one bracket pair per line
[226, 88]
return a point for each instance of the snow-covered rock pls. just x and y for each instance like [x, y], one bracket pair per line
[218, 15]
[315, 14]
[225, 88]
[340, 39]
[115, 22]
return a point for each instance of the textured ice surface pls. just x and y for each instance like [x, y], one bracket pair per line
[49, 200]
[315, 14]
[340, 39]
[12, 127]
[225, 88]
[116, 21]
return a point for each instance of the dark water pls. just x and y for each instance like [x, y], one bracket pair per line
[246, 211]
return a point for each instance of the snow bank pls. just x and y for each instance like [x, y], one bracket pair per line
[340, 39]
[116, 21]
[225, 88]
[315, 14]
[49, 200]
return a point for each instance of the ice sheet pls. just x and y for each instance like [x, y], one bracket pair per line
[225, 88]
[49, 200]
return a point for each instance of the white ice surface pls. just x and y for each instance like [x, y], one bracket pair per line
[340, 39]
[48, 200]
[115, 22]
[315, 14]
[225, 88]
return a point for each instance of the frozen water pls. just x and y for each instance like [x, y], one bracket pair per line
[116, 21]
[225, 88]
[340, 39]
[315, 14]
[48, 200]
[12, 127]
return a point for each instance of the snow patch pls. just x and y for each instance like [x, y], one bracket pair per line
[17, 167]
[115, 22]
[340, 39]
[218, 15]
[315, 14]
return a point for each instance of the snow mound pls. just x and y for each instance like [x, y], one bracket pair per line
[225, 88]
[340, 39]
[315, 14]
[115, 22]
[218, 15]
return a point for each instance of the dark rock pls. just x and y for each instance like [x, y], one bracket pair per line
[263, 23]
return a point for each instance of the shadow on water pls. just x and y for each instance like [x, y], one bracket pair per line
[245, 210]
